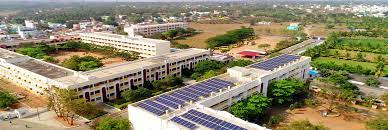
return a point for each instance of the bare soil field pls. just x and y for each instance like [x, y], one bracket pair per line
[63, 55]
[211, 30]
[31, 100]
[321, 30]
[313, 115]
[207, 31]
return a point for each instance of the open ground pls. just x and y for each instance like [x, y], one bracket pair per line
[63, 55]
[211, 30]
[31, 100]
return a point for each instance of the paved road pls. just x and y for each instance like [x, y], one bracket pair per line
[301, 47]
[359, 80]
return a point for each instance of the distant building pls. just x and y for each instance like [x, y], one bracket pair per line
[145, 46]
[293, 26]
[25, 32]
[150, 29]
[29, 23]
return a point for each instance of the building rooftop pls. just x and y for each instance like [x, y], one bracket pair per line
[175, 105]
[45, 69]
[5, 54]
[125, 38]
[137, 65]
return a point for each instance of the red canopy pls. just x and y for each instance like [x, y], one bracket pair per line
[248, 53]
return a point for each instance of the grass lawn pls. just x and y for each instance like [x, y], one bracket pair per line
[349, 62]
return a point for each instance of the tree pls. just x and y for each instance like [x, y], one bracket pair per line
[82, 63]
[372, 81]
[252, 107]
[207, 75]
[170, 34]
[136, 19]
[283, 91]
[379, 69]
[239, 62]
[208, 65]
[6, 99]
[379, 123]
[303, 125]
[113, 124]
[137, 95]
[60, 101]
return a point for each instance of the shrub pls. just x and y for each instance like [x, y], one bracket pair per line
[6, 99]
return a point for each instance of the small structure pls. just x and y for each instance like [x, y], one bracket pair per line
[293, 26]
[225, 58]
[251, 53]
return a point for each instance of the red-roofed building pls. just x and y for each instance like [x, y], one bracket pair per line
[251, 53]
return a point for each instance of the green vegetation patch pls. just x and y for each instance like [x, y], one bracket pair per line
[363, 44]
[347, 65]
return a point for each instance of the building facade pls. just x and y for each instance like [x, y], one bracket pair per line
[96, 85]
[150, 29]
[145, 46]
[204, 105]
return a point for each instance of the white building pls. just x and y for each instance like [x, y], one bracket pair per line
[29, 23]
[145, 46]
[203, 105]
[150, 29]
[25, 32]
[96, 85]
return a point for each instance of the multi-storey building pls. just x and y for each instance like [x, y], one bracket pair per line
[150, 29]
[96, 85]
[145, 46]
[203, 105]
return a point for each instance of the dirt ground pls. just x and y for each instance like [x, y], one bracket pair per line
[211, 30]
[207, 31]
[31, 100]
[63, 55]
[321, 30]
[263, 39]
[313, 115]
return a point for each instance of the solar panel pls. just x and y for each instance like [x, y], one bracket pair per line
[156, 105]
[190, 95]
[151, 109]
[184, 122]
[172, 99]
[167, 102]
[210, 121]
[275, 62]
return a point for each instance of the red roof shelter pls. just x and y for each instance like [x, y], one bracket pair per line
[252, 54]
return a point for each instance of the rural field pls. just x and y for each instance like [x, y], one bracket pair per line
[63, 55]
[270, 34]
[6, 13]
[321, 30]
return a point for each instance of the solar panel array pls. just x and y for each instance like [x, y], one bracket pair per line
[275, 62]
[209, 121]
[193, 93]
[184, 122]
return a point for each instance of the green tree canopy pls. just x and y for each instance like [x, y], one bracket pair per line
[136, 95]
[113, 124]
[252, 107]
[6, 99]
[282, 91]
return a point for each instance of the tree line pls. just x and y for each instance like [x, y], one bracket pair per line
[231, 37]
